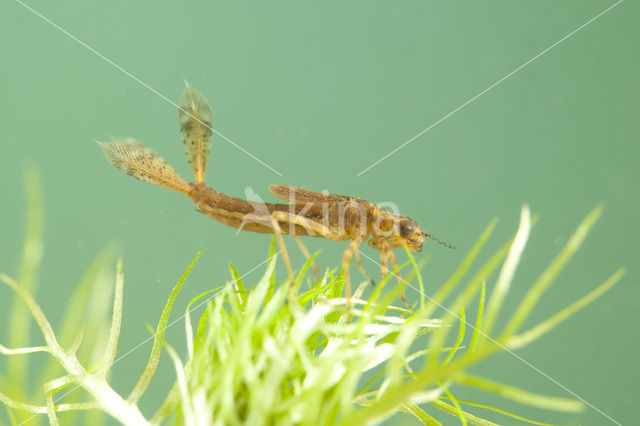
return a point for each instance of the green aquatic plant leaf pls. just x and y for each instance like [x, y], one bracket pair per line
[522, 396]
[457, 411]
[526, 337]
[548, 276]
[503, 412]
[456, 345]
[420, 414]
[116, 323]
[446, 289]
[416, 271]
[242, 292]
[463, 300]
[17, 367]
[158, 341]
[475, 338]
[508, 270]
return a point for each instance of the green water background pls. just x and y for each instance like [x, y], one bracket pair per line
[319, 92]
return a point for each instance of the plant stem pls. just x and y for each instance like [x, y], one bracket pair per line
[108, 399]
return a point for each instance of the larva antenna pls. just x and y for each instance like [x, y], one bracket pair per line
[431, 237]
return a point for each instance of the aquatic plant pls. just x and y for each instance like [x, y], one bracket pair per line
[257, 357]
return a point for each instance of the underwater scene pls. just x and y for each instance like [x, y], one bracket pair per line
[306, 213]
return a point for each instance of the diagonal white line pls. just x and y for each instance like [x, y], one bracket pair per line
[490, 87]
[536, 369]
[139, 345]
[142, 83]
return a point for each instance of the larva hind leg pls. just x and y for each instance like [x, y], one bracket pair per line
[306, 253]
[285, 254]
[384, 262]
[346, 259]
[364, 273]
[278, 217]
[311, 227]
[392, 258]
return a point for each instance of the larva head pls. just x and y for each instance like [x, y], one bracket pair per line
[407, 231]
[396, 231]
[399, 230]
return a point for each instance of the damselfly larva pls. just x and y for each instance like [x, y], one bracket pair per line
[314, 214]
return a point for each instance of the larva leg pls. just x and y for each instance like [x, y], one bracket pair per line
[311, 227]
[304, 251]
[346, 259]
[364, 273]
[285, 254]
[401, 283]
[384, 269]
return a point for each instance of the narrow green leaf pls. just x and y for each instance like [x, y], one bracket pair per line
[154, 356]
[36, 312]
[420, 414]
[188, 411]
[17, 367]
[78, 306]
[508, 270]
[22, 351]
[456, 345]
[454, 410]
[187, 318]
[548, 276]
[423, 352]
[338, 284]
[12, 403]
[272, 253]
[57, 383]
[242, 292]
[51, 410]
[524, 397]
[387, 300]
[524, 338]
[371, 382]
[438, 339]
[12, 416]
[305, 267]
[458, 410]
[168, 406]
[417, 272]
[457, 276]
[402, 344]
[202, 322]
[77, 341]
[116, 322]
[478, 326]
[398, 394]
[257, 296]
[422, 262]
[308, 295]
[504, 412]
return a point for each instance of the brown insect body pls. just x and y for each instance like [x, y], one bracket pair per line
[241, 214]
[346, 218]
[309, 213]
